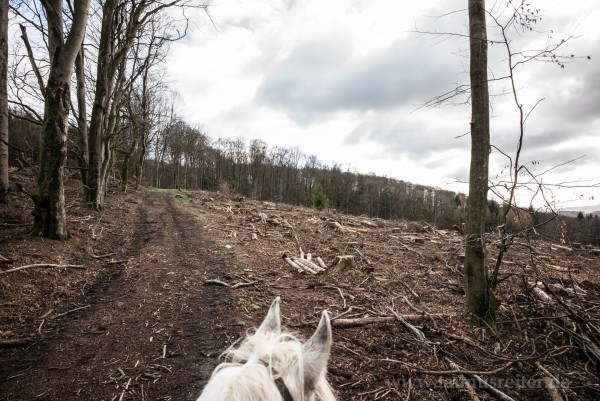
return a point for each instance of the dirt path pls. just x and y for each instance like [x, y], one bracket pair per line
[146, 330]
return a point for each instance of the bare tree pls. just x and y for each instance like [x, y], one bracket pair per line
[163, 135]
[513, 17]
[82, 153]
[49, 212]
[142, 99]
[122, 23]
[480, 304]
[4, 183]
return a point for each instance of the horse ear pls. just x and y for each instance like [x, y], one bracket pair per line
[316, 352]
[272, 323]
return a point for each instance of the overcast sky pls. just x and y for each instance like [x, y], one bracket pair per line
[344, 80]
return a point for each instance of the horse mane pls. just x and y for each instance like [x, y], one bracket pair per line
[249, 371]
[271, 354]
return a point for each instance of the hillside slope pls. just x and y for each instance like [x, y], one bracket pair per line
[150, 313]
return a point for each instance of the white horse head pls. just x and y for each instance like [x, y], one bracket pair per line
[272, 365]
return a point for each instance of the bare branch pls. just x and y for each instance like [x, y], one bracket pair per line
[34, 66]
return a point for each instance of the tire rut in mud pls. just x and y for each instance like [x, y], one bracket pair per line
[152, 331]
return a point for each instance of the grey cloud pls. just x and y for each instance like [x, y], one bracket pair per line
[319, 79]
[567, 157]
[572, 156]
[507, 141]
[578, 103]
[401, 137]
[572, 94]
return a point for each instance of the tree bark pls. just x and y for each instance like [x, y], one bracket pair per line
[139, 169]
[83, 157]
[4, 182]
[480, 306]
[95, 193]
[125, 168]
[49, 213]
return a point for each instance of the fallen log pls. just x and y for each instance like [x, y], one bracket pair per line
[338, 227]
[304, 263]
[308, 265]
[293, 264]
[362, 321]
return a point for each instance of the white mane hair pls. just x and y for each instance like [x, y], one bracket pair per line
[251, 371]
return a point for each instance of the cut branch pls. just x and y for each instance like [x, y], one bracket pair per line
[15, 342]
[467, 385]
[361, 321]
[468, 373]
[42, 265]
[224, 284]
[304, 263]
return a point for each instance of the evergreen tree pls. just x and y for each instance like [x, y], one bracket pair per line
[319, 199]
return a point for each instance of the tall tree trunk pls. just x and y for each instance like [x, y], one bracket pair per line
[125, 173]
[49, 212]
[125, 168]
[50, 218]
[95, 194]
[4, 183]
[139, 168]
[83, 157]
[480, 304]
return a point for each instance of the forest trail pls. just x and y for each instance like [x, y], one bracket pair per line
[146, 329]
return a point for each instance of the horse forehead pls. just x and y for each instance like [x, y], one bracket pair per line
[271, 345]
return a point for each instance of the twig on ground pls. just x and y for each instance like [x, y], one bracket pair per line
[114, 262]
[103, 256]
[490, 389]
[553, 352]
[71, 311]
[15, 342]
[448, 372]
[550, 383]
[418, 333]
[418, 310]
[467, 386]
[341, 294]
[42, 265]
[237, 285]
[125, 389]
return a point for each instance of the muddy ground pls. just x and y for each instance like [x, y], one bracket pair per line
[136, 316]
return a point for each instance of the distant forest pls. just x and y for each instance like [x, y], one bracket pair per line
[178, 155]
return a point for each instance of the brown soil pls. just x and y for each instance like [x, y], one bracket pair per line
[139, 322]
